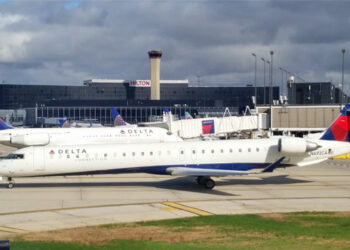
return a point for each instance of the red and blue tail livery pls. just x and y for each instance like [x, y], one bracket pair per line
[340, 128]
[3, 125]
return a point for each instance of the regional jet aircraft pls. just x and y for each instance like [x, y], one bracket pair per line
[201, 159]
[24, 137]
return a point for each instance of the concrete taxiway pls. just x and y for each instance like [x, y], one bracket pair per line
[37, 204]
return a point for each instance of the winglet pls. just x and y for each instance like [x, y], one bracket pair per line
[270, 168]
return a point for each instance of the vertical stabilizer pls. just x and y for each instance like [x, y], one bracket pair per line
[117, 118]
[340, 128]
[3, 125]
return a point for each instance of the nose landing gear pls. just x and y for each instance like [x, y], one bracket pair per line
[11, 183]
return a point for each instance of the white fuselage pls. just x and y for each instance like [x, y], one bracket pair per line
[157, 157]
[79, 136]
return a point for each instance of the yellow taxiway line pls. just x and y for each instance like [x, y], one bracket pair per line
[173, 204]
[12, 230]
[186, 208]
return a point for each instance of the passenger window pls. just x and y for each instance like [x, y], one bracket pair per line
[133, 153]
[105, 155]
[257, 149]
[240, 150]
[193, 151]
[222, 151]
[151, 153]
[124, 154]
[142, 153]
[231, 150]
[212, 151]
[203, 151]
[248, 149]
[182, 152]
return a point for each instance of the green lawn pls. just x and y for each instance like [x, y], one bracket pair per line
[276, 231]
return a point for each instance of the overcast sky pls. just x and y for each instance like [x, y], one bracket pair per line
[68, 41]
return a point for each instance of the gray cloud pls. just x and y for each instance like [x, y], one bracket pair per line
[45, 42]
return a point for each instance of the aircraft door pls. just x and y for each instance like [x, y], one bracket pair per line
[38, 158]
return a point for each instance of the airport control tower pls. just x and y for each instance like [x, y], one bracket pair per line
[154, 56]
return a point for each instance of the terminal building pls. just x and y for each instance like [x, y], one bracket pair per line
[106, 92]
[93, 99]
[315, 93]
[35, 105]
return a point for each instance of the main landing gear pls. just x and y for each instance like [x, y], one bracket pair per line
[206, 181]
[11, 183]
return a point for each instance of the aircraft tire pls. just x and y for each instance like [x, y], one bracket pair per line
[10, 185]
[209, 183]
[200, 180]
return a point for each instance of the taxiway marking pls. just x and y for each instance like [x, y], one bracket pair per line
[187, 208]
[12, 230]
[171, 202]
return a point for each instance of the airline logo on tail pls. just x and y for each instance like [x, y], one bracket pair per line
[3, 125]
[340, 128]
[117, 118]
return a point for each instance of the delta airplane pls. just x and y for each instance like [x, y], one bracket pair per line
[24, 137]
[201, 159]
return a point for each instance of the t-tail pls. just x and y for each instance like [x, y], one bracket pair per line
[339, 130]
[117, 118]
[4, 125]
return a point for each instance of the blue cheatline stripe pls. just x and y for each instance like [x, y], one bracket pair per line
[162, 169]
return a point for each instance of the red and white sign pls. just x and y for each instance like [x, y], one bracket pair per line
[140, 83]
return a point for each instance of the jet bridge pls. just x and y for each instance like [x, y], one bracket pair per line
[217, 127]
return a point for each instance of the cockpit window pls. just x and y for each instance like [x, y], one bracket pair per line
[14, 156]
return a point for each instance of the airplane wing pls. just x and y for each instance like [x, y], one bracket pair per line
[183, 171]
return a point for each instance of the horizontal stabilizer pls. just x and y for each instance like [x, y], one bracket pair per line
[182, 171]
[270, 168]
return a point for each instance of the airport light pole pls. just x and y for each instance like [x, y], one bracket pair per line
[255, 91]
[342, 79]
[264, 80]
[282, 70]
[271, 77]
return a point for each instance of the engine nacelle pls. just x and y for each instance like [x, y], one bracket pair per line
[292, 145]
[31, 140]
